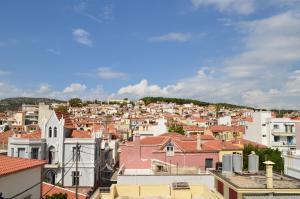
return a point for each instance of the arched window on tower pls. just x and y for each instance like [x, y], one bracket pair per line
[50, 132]
[55, 131]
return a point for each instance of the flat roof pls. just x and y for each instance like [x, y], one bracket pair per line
[258, 181]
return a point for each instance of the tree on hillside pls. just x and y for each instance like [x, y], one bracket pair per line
[176, 128]
[57, 196]
[62, 109]
[264, 154]
[75, 102]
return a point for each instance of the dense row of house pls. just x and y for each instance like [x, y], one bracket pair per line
[100, 144]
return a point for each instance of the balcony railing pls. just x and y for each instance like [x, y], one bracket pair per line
[283, 144]
[280, 132]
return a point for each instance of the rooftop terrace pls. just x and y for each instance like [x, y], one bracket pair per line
[258, 181]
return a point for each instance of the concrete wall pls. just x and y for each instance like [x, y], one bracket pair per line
[257, 130]
[88, 164]
[161, 191]
[297, 130]
[205, 179]
[15, 183]
[292, 166]
[27, 144]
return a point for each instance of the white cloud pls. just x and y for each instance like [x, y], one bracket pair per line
[293, 83]
[270, 44]
[53, 51]
[81, 8]
[107, 11]
[243, 7]
[173, 36]
[108, 73]
[75, 87]
[4, 72]
[44, 89]
[82, 36]
[264, 73]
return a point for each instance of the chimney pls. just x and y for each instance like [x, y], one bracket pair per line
[199, 144]
[269, 173]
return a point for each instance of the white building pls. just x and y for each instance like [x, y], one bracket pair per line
[225, 120]
[57, 145]
[151, 129]
[277, 133]
[292, 160]
[18, 175]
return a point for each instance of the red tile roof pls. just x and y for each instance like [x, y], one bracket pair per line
[34, 135]
[5, 135]
[192, 128]
[66, 116]
[189, 143]
[11, 165]
[222, 128]
[157, 140]
[245, 142]
[81, 134]
[71, 194]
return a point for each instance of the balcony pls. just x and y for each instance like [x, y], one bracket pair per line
[283, 144]
[52, 166]
[281, 132]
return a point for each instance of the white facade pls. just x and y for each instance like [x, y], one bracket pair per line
[152, 130]
[20, 181]
[277, 133]
[226, 120]
[59, 150]
[292, 160]
[26, 148]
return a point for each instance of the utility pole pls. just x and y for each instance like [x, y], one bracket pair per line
[77, 174]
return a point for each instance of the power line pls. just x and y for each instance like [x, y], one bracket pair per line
[18, 194]
[58, 181]
[77, 177]
[25, 190]
[86, 152]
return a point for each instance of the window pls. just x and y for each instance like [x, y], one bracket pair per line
[276, 126]
[208, 163]
[263, 124]
[21, 152]
[35, 153]
[170, 149]
[55, 132]
[50, 132]
[276, 138]
[12, 152]
[75, 178]
[51, 155]
[220, 187]
[74, 154]
[264, 135]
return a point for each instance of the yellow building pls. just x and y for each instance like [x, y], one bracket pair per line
[164, 191]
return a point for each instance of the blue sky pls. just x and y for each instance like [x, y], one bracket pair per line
[236, 51]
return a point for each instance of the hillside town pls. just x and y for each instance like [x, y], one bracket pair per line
[132, 149]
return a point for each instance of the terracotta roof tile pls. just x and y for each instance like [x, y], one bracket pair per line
[66, 116]
[34, 135]
[157, 140]
[81, 134]
[11, 165]
[5, 135]
[71, 194]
